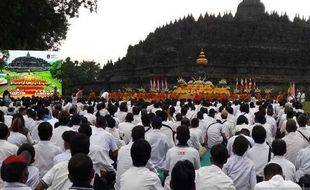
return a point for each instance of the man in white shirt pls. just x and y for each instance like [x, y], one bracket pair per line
[271, 120]
[302, 163]
[215, 134]
[245, 133]
[121, 114]
[168, 127]
[90, 115]
[6, 148]
[139, 177]
[126, 127]
[181, 152]
[66, 155]
[294, 141]
[212, 177]
[239, 168]
[64, 119]
[228, 127]
[288, 168]
[260, 153]
[274, 179]
[183, 176]
[45, 150]
[303, 130]
[196, 135]
[158, 142]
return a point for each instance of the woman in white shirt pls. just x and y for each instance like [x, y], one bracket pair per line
[16, 137]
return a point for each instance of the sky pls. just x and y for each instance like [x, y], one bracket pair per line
[106, 35]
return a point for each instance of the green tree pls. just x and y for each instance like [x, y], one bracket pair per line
[56, 69]
[4, 56]
[38, 24]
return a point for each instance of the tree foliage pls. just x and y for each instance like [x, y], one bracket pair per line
[38, 24]
[4, 55]
[56, 69]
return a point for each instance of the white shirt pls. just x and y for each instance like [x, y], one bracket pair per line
[52, 121]
[140, 178]
[168, 132]
[33, 177]
[104, 139]
[160, 146]
[214, 133]
[288, 167]
[91, 118]
[125, 129]
[17, 138]
[302, 163]
[63, 156]
[268, 129]
[57, 136]
[117, 136]
[196, 138]
[277, 183]
[259, 155]
[120, 115]
[294, 143]
[242, 171]
[57, 177]
[304, 132]
[15, 186]
[45, 152]
[273, 123]
[6, 149]
[231, 141]
[243, 126]
[212, 177]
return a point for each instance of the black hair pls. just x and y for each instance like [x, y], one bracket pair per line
[140, 152]
[157, 122]
[90, 109]
[200, 115]
[178, 117]
[67, 135]
[40, 113]
[211, 112]
[29, 148]
[278, 147]
[4, 131]
[129, 117]
[242, 120]
[111, 122]
[259, 134]
[272, 169]
[219, 154]
[12, 172]
[80, 168]
[303, 120]
[75, 119]
[291, 125]
[260, 117]
[85, 129]
[195, 122]
[183, 176]
[183, 134]
[101, 121]
[79, 143]
[135, 110]
[241, 145]
[185, 121]
[45, 131]
[146, 121]
[1, 116]
[64, 118]
[137, 132]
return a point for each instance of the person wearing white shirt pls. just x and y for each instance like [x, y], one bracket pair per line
[168, 127]
[183, 176]
[212, 177]
[14, 172]
[215, 134]
[180, 152]
[138, 177]
[243, 123]
[64, 119]
[260, 153]
[45, 150]
[158, 142]
[245, 133]
[66, 155]
[239, 168]
[228, 127]
[288, 168]
[6, 148]
[202, 124]
[54, 119]
[16, 137]
[274, 179]
[294, 141]
[121, 114]
[126, 127]
[244, 110]
[303, 130]
[289, 115]
[260, 119]
[111, 128]
[302, 163]
[271, 120]
[136, 115]
[90, 115]
[196, 136]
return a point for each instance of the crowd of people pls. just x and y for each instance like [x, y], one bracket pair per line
[63, 144]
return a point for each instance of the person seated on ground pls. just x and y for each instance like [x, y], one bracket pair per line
[126, 127]
[180, 152]
[16, 137]
[212, 177]
[243, 132]
[242, 123]
[15, 173]
[294, 141]
[260, 153]
[274, 179]
[45, 150]
[6, 148]
[139, 177]
[111, 128]
[81, 172]
[303, 130]
[183, 176]
[215, 134]
[288, 168]
[239, 168]
[66, 155]
[196, 137]
[303, 167]
[27, 151]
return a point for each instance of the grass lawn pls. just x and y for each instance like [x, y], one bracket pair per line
[307, 108]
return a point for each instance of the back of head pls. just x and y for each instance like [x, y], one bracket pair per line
[259, 134]
[185, 121]
[224, 114]
[270, 110]
[75, 119]
[28, 148]
[219, 155]
[303, 120]
[17, 124]
[146, 121]
[129, 117]
[195, 123]
[200, 115]
[211, 112]
[101, 122]
[291, 125]
[80, 169]
[290, 113]
[240, 146]
[157, 122]
[183, 134]
[140, 152]
[64, 118]
[45, 131]
[14, 169]
[4, 131]
[137, 132]
[111, 122]
[85, 129]
[260, 117]
[242, 120]
[183, 176]
[79, 143]
[278, 147]
[90, 109]
[135, 110]
[271, 170]
[178, 117]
